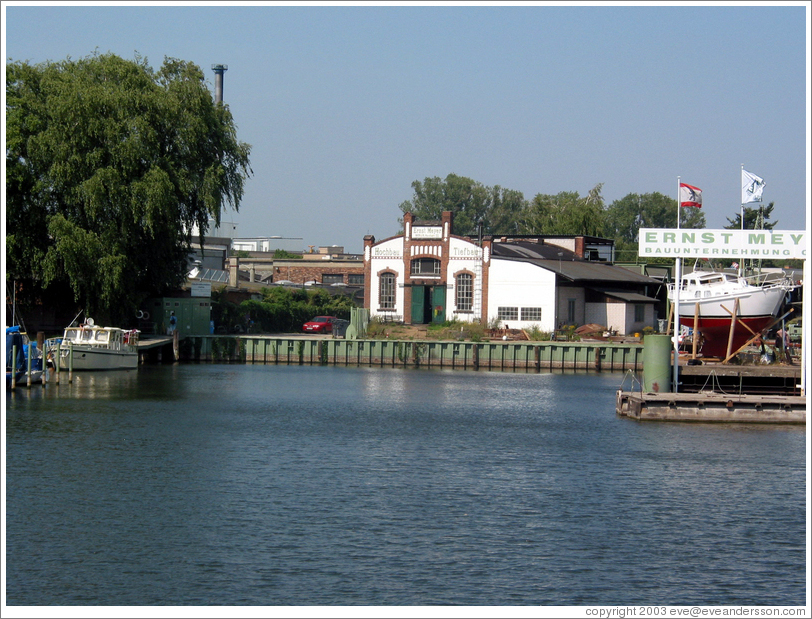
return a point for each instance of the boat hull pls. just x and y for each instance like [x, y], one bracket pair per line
[99, 359]
[709, 301]
[751, 304]
[716, 332]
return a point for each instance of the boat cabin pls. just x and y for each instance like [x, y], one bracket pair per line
[110, 338]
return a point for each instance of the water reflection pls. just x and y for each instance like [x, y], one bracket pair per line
[319, 485]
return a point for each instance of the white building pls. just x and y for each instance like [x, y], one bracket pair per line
[428, 274]
[268, 244]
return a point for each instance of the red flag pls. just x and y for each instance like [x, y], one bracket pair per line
[690, 195]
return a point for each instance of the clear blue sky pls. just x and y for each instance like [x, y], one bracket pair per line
[345, 106]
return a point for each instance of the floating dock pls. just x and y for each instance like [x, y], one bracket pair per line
[773, 379]
[711, 407]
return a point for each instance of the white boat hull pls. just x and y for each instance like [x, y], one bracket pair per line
[754, 303]
[86, 358]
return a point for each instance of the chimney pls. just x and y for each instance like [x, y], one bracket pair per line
[218, 69]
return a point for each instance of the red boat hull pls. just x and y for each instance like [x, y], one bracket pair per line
[716, 333]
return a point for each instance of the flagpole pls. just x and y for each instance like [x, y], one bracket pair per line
[741, 262]
[677, 283]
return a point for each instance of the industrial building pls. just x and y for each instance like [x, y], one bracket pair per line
[430, 275]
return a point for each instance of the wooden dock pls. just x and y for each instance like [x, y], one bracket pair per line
[149, 342]
[155, 348]
[711, 407]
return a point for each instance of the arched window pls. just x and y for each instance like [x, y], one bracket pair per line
[465, 292]
[387, 291]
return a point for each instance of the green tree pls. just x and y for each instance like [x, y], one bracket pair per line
[506, 211]
[565, 213]
[471, 202]
[625, 217]
[283, 254]
[755, 218]
[110, 164]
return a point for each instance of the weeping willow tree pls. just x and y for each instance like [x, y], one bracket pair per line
[110, 164]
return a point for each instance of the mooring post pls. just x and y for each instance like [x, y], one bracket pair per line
[56, 360]
[70, 362]
[13, 367]
[44, 374]
[28, 360]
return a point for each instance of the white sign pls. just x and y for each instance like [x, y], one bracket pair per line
[201, 289]
[427, 232]
[690, 243]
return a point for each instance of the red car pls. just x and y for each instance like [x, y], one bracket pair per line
[320, 324]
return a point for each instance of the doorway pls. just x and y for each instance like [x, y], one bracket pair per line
[428, 304]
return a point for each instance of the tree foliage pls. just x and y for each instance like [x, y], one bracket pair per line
[109, 165]
[281, 310]
[626, 216]
[505, 211]
[472, 203]
[565, 213]
[755, 218]
[758, 218]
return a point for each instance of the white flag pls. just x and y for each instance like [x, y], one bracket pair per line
[752, 186]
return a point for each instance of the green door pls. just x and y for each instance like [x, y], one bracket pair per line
[418, 302]
[438, 304]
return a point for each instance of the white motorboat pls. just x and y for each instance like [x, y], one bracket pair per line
[717, 295]
[99, 348]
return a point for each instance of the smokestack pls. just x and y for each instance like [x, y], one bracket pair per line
[218, 69]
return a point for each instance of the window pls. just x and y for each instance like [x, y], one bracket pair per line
[425, 266]
[355, 280]
[387, 291]
[508, 313]
[332, 278]
[571, 311]
[531, 313]
[465, 292]
[639, 312]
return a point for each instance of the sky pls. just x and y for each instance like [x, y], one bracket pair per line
[345, 106]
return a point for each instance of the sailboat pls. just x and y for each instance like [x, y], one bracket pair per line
[711, 299]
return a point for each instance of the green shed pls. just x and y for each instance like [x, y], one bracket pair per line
[193, 314]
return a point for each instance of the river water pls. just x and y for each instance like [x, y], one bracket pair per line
[300, 485]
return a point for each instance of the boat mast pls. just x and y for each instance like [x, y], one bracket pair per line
[741, 216]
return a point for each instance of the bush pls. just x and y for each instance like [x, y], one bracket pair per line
[535, 334]
[280, 310]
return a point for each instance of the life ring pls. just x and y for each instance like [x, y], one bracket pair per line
[146, 315]
[139, 315]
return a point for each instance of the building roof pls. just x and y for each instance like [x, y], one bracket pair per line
[629, 297]
[565, 264]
